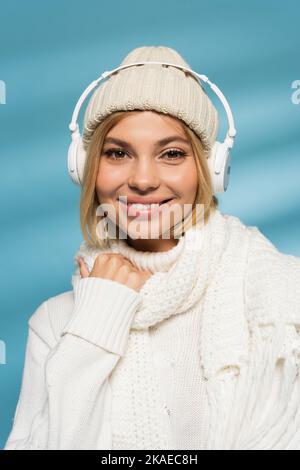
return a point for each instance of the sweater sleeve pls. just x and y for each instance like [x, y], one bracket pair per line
[31, 410]
[65, 398]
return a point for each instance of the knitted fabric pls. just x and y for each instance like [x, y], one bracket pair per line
[175, 288]
[217, 367]
[246, 349]
[165, 89]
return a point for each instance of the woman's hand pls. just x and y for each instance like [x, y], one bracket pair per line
[115, 267]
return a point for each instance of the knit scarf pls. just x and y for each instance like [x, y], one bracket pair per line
[254, 402]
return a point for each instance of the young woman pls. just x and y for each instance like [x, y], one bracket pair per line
[187, 341]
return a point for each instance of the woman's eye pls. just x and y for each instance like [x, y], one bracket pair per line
[111, 152]
[178, 154]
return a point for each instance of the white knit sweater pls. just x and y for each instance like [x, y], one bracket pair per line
[205, 356]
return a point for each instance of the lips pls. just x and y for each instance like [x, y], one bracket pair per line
[146, 202]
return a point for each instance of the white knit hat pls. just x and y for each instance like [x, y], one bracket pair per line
[165, 89]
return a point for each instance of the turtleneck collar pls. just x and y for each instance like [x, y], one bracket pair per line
[147, 260]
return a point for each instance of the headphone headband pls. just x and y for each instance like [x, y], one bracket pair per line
[231, 133]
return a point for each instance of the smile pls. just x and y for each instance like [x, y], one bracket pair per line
[139, 209]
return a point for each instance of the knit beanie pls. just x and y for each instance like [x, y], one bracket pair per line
[164, 89]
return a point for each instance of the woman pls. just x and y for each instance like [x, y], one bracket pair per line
[183, 342]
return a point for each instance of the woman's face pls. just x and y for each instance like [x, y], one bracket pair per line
[146, 158]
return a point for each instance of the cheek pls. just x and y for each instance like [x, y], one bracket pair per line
[185, 181]
[108, 180]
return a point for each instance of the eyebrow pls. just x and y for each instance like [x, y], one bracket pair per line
[159, 143]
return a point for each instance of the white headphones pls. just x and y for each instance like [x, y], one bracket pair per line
[218, 159]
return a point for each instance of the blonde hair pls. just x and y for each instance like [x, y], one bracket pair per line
[89, 199]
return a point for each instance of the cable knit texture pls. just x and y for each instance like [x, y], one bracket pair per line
[205, 356]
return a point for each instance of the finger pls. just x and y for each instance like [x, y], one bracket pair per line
[120, 256]
[84, 272]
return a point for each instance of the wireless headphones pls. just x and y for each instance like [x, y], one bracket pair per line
[218, 159]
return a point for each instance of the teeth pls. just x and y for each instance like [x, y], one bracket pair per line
[142, 206]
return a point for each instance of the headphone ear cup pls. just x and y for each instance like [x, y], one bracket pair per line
[76, 159]
[227, 167]
[81, 159]
[219, 167]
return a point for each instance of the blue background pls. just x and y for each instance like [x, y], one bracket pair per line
[50, 51]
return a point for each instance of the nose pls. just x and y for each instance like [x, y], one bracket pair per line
[144, 176]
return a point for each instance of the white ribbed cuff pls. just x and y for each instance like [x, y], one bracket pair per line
[103, 312]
